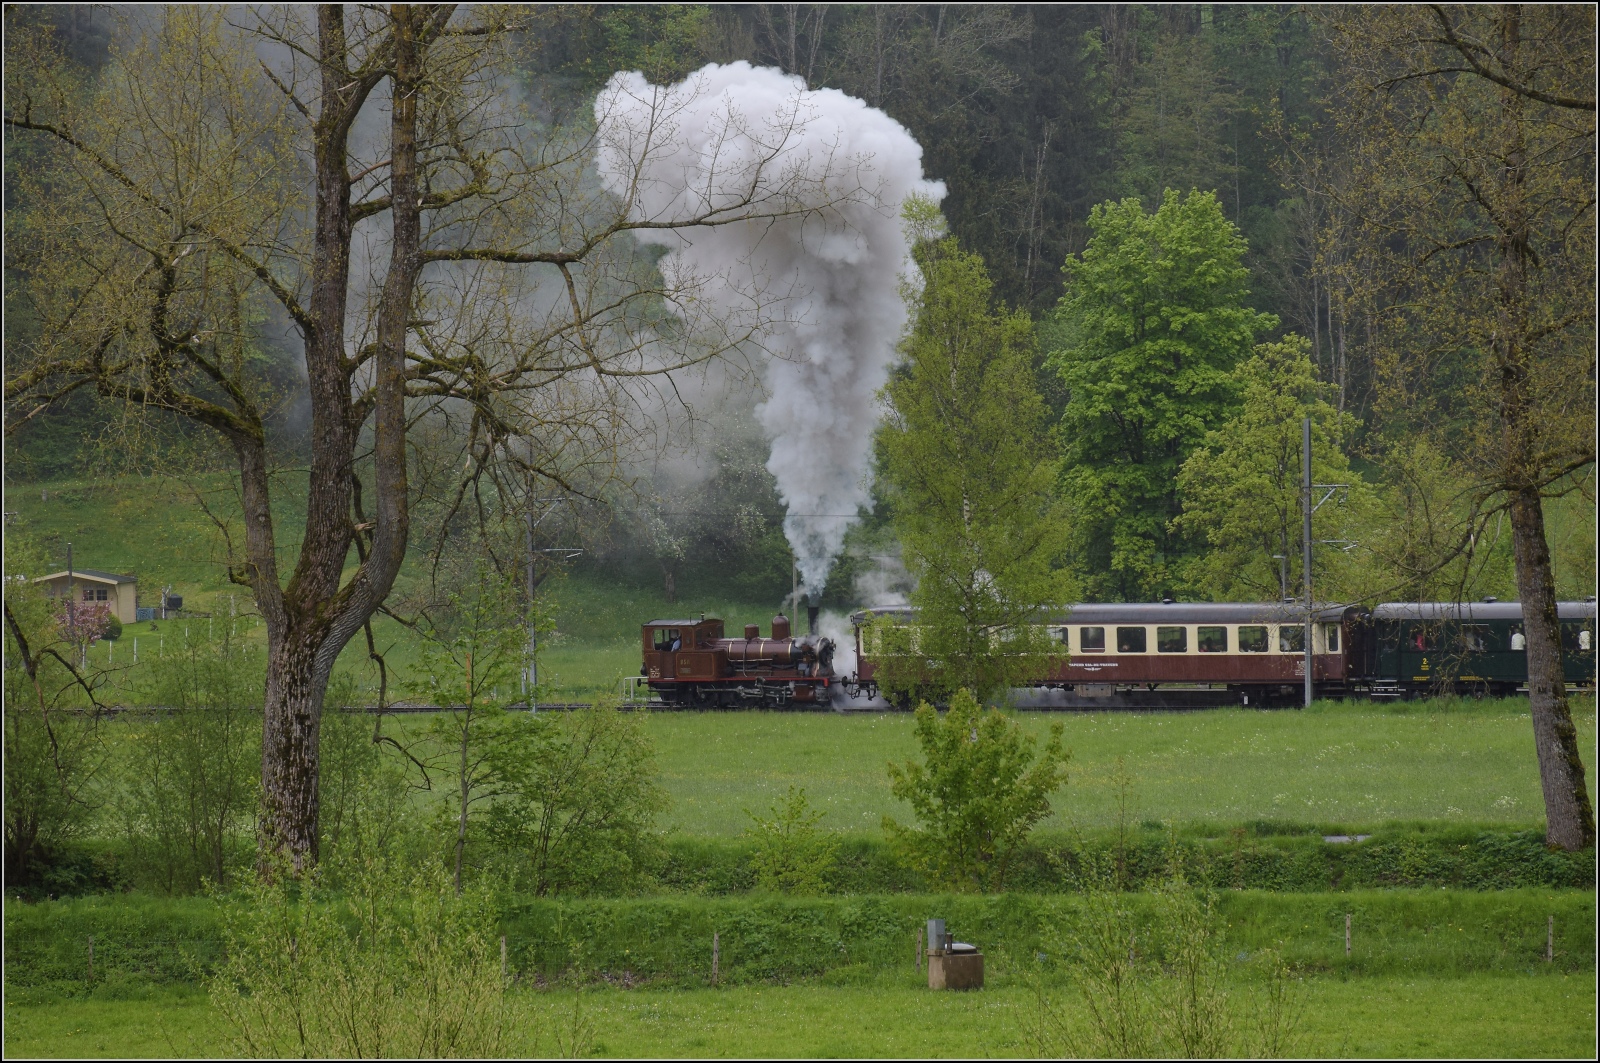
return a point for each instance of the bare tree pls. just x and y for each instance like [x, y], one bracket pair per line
[439, 251]
[1473, 139]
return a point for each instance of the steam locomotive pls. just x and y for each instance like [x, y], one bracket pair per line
[690, 664]
[1174, 655]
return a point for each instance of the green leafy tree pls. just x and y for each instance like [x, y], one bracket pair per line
[792, 855]
[1149, 333]
[471, 661]
[191, 789]
[978, 793]
[1241, 488]
[970, 475]
[577, 797]
[54, 752]
[1472, 133]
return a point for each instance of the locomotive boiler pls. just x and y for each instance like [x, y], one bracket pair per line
[692, 664]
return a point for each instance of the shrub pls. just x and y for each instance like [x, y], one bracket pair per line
[577, 799]
[1159, 986]
[978, 794]
[189, 793]
[791, 855]
[395, 967]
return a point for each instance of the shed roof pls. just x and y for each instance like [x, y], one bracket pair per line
[92, 574]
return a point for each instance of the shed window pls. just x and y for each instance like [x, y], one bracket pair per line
[1172, 639]
[1291, 639]
[1253, 639]
[1092, 639]
[1131, 640]
[1211, 639]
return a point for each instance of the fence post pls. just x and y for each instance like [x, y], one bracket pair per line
[1347, 935]
[1550, 939]
[716, 946]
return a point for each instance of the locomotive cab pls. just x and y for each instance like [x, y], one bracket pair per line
[683, 649]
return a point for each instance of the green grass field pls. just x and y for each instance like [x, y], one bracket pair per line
[1542, 1016]
[1341, 767]
[1348, 765]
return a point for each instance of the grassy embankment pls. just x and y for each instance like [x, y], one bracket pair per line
[1432, 972]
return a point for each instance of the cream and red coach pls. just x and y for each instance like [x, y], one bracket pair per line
[1178, 653]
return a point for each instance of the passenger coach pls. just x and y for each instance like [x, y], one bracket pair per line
[1254, 653]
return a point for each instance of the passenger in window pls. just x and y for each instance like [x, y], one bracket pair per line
[1212, 639]
[1584, 639]
[1519, 641]
[1291, 639]
[1131, 640]
[1253, 639]
[1172, 639]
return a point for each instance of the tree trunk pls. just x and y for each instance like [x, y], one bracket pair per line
[310, 620]
[1569, 819]
[289, 753]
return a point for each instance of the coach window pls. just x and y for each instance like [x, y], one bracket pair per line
[1172, 639]
[1291, 639]
[1091, 639]
[1252, 639]
[1131, 640]
[1211, 639]
[1330, 638]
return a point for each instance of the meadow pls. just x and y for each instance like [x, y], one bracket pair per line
[1340, 767]
[1420, 1017]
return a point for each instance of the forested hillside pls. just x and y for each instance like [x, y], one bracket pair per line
[1036, 117]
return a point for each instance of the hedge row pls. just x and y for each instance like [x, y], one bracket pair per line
[1469, 859]
[142, 941]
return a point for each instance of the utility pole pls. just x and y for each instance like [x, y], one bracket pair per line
[1306, 514]
[530, 674]
[72, 605]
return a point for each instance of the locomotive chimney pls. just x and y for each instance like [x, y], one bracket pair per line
[780, 627]
[811, 620]
[752, 631]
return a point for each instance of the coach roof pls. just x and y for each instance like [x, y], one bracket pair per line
[1156, 613]
[1473, 610]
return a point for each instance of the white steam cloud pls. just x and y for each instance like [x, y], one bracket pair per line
[780, 209]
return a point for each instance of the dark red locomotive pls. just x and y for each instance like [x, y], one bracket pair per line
[689, 664]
